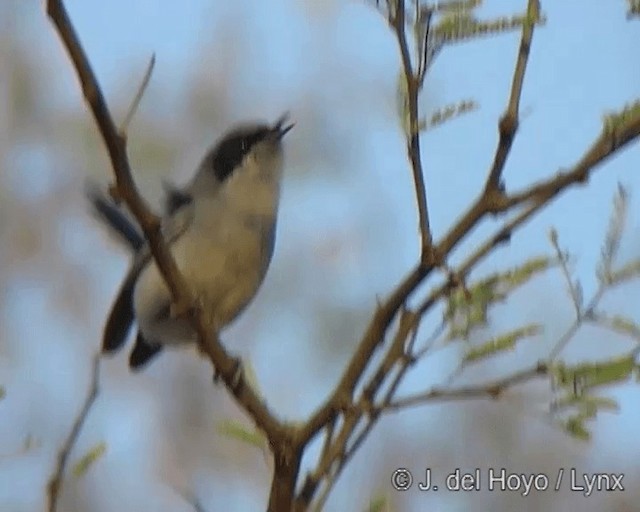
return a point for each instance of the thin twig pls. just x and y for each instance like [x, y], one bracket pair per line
[488, 390]
[55, 482]
[413, 145]
[605, 146]
[328, 439]
[424, 17]
[431, 341]
[573, 292]
[603, 320]
[136, 100]
[509, 122]
[371, 339]
[584, 314]
[501, 236]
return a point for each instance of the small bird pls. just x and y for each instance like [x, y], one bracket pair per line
[220, 229]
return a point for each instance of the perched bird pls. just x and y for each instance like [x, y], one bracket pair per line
[220, 229]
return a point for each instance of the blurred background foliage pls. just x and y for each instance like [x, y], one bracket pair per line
[347, 234]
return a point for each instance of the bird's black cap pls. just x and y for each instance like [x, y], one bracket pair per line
[231, 150]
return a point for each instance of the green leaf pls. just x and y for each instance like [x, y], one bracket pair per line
[588, 402]
[461, 25]
[456, 26]
[467, 309]
[456, 5]
[590, 375]
[378, 504]
[614, 234]
[447, 113]
[629, 271]
[81, 467]
[598, 403]
[575, 427]
[613, 120]
[500, 343]
[624, 325]
[235, 430]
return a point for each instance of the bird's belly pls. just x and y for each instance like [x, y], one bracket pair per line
[224, 272]
[226, 276]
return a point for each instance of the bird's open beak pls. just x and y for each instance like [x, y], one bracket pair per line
[282, 125]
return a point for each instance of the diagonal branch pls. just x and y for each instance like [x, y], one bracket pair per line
[225, 365]
[55, 482]
[509, 122]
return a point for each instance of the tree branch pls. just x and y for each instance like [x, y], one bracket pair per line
[287, 441]
[608, 143]
[488, 202]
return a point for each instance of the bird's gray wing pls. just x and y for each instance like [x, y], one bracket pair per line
[116, 219]
[122, 315]
[113, 216]
[175, 198]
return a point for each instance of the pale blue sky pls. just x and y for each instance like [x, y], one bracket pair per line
[333, 65]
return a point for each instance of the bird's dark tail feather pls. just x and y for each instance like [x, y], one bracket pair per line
[142, 352]
[121, 317]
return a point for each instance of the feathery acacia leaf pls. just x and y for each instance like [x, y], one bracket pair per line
[447, 113]
[467, 308]
[614, 234]
[87, 460]
[629, 271]
[590, 375]
[236, 430]
[506, 341]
